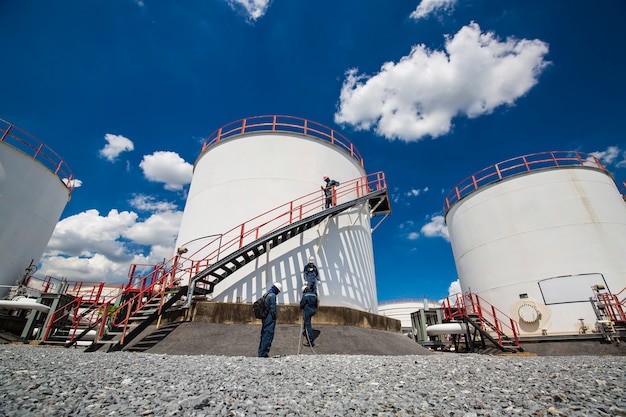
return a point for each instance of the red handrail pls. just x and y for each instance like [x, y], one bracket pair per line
[142, 288]
[280, 123]
[30, 145]
[472, 304]
[184, 267]
[516, 166]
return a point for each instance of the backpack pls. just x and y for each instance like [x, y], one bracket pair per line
[260, 308]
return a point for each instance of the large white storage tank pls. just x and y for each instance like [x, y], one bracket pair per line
[253, 165]
[35, 186]
[533, 234]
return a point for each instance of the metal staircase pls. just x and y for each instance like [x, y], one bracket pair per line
[486, 325]
[205, 281]
[118, 321]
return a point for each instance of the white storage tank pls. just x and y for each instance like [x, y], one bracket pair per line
[250, 167]
[533, 234]
[35, 186]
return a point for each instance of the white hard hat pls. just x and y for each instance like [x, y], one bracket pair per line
[278, 286]
[311, 259]
[304, 288]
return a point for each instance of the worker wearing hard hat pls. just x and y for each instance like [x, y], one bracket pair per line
[308, 305]
[311, 275]
[329, 191]
[269, 322]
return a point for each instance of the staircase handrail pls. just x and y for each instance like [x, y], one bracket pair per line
[170, 272]
[467, 304]
[89, 307]
[187, 266]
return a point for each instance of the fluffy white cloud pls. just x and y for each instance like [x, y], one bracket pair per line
[454, 288]
[116, 144]
[421, 94]
[427, 7]
[148, 203]
[168, 168]
[610, 156]
[254, 9]
[158, 228]
[74, 183]
[91, 247]
[436, 227]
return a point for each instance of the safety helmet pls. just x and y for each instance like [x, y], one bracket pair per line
[325, 178]
[305, 288]
[311, 259]
[278, 286]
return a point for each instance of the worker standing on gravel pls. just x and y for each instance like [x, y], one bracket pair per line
[269, 322]
[308, 305]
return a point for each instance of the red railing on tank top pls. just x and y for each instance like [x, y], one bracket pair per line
[516, 166]
[33, 147]
[283, 124]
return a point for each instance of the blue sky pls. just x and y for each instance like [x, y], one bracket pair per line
[429, 92]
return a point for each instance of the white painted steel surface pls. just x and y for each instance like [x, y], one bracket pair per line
[22, 303]
[446, 328]
[402, 309]
[241, 177]
[531, 244]
[32, 199]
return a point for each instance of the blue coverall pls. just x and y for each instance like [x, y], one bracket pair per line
[269, 325]
[308, 304]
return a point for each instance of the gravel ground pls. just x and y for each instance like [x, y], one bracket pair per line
[53, 381]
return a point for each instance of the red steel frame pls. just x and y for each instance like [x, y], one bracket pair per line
[613, 307]
[468, 304]
[30, 145]
[278, 123]
[516, 166]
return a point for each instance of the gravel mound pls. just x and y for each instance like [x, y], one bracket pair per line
[53, 381]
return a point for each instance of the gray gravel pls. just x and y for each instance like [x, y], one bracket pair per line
[53, 381]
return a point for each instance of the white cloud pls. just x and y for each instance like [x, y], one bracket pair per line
[427, 7]
[116, 144]
[413, 236]
[436, 228]
[610, 156]
[148, 203]
[416, 192]
[91, 247]
[157, 229]
[87, 233]
[454, 288]
[168, 168]
[74, 183]
[421, 94]
[254, 9]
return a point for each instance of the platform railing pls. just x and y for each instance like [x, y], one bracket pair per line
[284, 124]
[33, 147]
[516, 166]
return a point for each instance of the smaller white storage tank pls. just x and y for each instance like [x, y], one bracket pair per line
[533, 234]
[35, 186]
